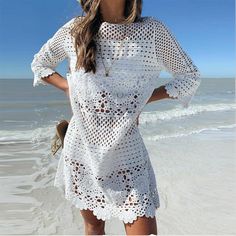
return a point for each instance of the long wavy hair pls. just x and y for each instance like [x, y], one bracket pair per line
[86, 27]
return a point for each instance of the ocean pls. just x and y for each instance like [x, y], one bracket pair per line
[192, 151]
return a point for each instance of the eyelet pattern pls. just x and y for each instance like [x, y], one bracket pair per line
[104, 165]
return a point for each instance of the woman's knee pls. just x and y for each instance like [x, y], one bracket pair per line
[95, 229]
[142, 226]
[92, 224]
[95, 226]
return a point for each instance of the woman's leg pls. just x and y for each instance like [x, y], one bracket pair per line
[93, 226]
[142, 226]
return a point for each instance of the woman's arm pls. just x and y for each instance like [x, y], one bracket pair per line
[48, 57]
[57, 80]
[173, 59]
[158, 94]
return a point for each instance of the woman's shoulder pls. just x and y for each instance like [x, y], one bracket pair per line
[159, 25]
[155, 20]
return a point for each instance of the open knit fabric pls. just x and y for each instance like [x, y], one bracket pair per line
[104, 165]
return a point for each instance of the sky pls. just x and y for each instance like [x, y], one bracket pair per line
[204, 28]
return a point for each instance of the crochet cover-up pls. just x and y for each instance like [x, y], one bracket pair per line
[104, 165]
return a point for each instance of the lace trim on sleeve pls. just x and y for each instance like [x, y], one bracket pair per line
[183, 87]
[50, 55]
[174, 60]
[45, 72]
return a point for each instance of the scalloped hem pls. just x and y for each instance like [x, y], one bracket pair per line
[108, 212]
[185, 103]
[38, 78]
[96, 211]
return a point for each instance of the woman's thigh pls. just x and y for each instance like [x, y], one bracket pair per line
[142, 226]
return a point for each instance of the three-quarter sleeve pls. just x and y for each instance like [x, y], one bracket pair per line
[50, 55]
[173, 59]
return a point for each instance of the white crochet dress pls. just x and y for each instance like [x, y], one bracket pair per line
[104, 165]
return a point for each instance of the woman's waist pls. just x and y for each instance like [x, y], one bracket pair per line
[104, 132]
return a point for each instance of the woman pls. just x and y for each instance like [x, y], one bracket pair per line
[115, 57]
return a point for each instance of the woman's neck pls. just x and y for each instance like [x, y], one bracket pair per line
[112, 10]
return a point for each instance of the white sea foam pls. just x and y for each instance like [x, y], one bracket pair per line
[36, 135]
[188, 132]
[41, 134]
[153, 116]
